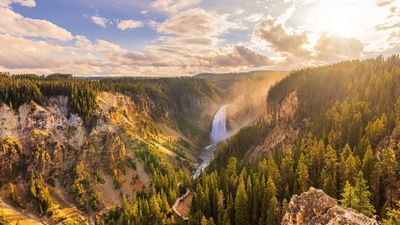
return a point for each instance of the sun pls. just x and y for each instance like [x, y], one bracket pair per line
[337, 17]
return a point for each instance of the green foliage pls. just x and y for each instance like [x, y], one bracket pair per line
[14, 194]
[40, 194]
[84, 196]
[393, 216]
[348, 196]
[241, 205]
[171, 98]
[117, 180]
[349, 109]
[358, 197]
[239, 144]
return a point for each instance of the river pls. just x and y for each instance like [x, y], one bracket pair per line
[218, 133]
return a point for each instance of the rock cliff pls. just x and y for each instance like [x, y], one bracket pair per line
[315, 207]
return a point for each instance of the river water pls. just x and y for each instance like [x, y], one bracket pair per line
[218, 133]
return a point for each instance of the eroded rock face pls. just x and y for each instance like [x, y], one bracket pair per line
[315, 207]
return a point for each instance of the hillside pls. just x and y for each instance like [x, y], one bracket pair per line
[120, 151]
[228, 81]
[70, 149]
[334, 127]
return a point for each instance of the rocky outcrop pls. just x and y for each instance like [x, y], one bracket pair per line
[11, 157]
[315, 207]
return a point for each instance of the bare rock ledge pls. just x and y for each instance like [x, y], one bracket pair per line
[315, 207]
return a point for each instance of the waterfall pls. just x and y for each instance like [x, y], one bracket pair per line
[218, 131]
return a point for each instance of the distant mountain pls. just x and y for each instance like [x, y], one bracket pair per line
[225, 81]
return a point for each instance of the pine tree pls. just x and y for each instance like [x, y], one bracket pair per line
[273, 170]
[329, 173]
[287, 169]
[273, 212]
[285, 206]
[263, 201]
[363, 196]
[230, 206]
[350, 170]
[348, 196]
[303, 178]
[155, 210]
[225, 220]
[393, 216]
[204, 221]
[368, 164]
[358, 197]
[385, 178]
[316, 155]
[13, 194]
[271, 189]
[257, 193]
[211, 221]
[220, 204]
[241, 205]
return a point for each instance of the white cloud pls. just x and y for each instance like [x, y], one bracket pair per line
[26, 3]
[192, 40]
[200, 41]
[20, 53]
[129, 24]
[174, 6]
[100, 21]
[15, 24]
[332, 48]
[239, 56]
[196, 23]
[280, 39]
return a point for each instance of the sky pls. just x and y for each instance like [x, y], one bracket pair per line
[186, 37]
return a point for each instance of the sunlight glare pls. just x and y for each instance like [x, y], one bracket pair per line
[338, 17]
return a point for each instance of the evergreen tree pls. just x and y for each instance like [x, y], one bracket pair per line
[350, 170]
[303, 178]
[393, 216]
[287, 169]
[241, 205]
[13, 194]
[363, 196]
[204, 221]
[349, 199]
[329, 175]
[368, 164]
[273, 212]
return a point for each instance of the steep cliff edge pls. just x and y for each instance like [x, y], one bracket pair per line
[83, 171]
[316, 207]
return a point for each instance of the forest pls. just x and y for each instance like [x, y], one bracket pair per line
[18, 89]
[349, 146]
[351, 149]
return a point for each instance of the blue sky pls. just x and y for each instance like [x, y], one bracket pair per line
[185, 37]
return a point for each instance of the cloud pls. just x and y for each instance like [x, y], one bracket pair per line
[20, 53]
[201, 41]
[196, 23]
[388, 26]
[382, 3]
[280, 39]
[129, 24]
[26, 3]
[174, 6]
[332, 48]
[100, 21]
[15, 24]
[239, 56]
